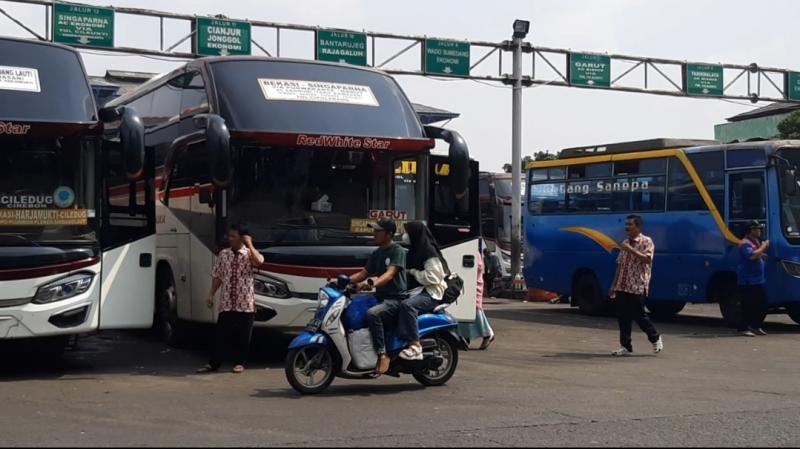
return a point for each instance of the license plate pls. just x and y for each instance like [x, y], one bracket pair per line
[313, 325]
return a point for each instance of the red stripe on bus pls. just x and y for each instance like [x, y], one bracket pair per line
[313, 272]
[49, 270]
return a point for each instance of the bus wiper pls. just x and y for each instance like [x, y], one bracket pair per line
[10, 237]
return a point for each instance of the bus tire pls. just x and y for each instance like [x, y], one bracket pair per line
[664, 310]
[793, 310]
[726, 294]
[168, 327]
[586, 293]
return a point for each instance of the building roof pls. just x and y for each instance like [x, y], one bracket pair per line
[768, 110]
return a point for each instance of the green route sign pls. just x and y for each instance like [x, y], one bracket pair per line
[83, 25]
[446, 57]
[589, 70]
[704, 79]
[793, 86]
[218, 37]
[342, 46]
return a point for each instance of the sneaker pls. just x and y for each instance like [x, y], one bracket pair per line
[412, 352]
[747, 333]
[759, 331]
[658, 346]
[621, 352]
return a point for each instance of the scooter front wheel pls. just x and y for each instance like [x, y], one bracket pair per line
[448, 351]
[310, 369]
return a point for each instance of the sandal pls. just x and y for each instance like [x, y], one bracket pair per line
[383, 364]
[238, 369]
[206, 369]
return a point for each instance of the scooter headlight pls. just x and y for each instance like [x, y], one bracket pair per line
[65, 288]
[322, 302]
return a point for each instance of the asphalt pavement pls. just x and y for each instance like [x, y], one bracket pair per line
[548, 380]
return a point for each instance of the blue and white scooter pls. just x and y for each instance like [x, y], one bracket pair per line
[322, 352]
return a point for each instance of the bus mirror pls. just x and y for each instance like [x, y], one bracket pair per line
[131, 135]
[218, 142]
[458, 154]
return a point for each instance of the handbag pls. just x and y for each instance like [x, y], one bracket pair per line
[455, 285]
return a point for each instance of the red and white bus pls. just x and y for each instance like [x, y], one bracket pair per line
[304, 154]
[77, 220]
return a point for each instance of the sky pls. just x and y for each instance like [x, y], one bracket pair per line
[729, 31]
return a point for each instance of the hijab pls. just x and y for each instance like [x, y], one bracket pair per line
[423, 245]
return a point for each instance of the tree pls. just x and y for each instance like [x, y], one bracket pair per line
[538, 156]
[789, 128]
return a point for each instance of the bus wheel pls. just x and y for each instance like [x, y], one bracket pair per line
[664, 310]
[793, 310]
[167, 325]
[586, 292]
[727, 295]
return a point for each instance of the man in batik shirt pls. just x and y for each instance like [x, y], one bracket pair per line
[233, 273]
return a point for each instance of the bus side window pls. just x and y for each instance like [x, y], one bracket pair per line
[682, 194]
[710, 166]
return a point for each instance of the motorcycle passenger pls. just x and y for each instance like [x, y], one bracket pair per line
[387, 262]
[427, 274]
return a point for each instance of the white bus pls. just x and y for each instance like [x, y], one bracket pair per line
[304, 154]
[77, 221]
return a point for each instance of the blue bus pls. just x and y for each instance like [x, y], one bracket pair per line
[695, 198]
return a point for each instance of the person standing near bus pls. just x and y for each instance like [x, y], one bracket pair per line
[233, 271]
[751, 280]
[492, 272]
[631, 285]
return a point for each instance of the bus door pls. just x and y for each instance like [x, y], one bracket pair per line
[456, 224]
[747, 201]
[128, 243]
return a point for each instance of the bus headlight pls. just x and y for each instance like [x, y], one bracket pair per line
[793, 268]
[65, 288]
[267, 286]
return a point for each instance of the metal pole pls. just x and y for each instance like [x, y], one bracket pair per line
[516, 160]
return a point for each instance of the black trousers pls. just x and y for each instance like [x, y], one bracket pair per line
[232, 338]
[488, 284]
[754, 303]
[631, 308]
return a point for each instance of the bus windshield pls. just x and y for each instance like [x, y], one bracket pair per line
[790, 201]
[502, 187]
[318, 196]
[47, 191]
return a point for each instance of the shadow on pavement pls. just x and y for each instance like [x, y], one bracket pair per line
[696, 326]
[130, 352]
[358, 390]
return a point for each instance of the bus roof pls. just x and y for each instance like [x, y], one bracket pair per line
[287, 96]
[633, 146]
[42, 82]
[769, 145]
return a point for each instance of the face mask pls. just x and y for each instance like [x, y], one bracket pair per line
[406, 239]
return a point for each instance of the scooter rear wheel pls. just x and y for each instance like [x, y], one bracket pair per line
[310, 369]
[449, 352]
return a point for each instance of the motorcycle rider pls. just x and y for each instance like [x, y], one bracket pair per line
[424, 266]
[387, 262]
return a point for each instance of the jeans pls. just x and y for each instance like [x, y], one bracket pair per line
[631, 308]
[754, 304]
[410, 309]
[378, 316]
[232, 338]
